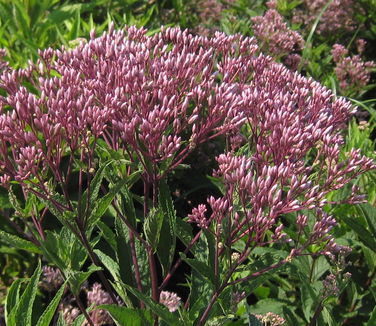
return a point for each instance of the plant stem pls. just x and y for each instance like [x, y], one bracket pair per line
[83, 310]
[94, 259]
[179, 261]
[312, 268]
[135, 264]
[316, 315]
[150, 253]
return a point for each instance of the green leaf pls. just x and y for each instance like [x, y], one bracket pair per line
[369, 213]
[183, 231]
[128, 206]
[167, 243]
[328, 317]
[13, 297]
[269, 305]
[64, 250]
[94, 189]
[19, 243]
[290, 316]
[101, 206]
[124, 256]
[372, 318]
[108, 235]
[79, 320]
[21, 314]
[253, 320]
[364, 235]
[158, 309]
[128, 317]
[114, 269]
[202, 268]
[48, 314]
[308, 298]
[76, 278]
[153, 227]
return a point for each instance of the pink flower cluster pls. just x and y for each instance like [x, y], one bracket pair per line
[170, 300]
[276, 38]
[52, 278]
[97, 296]
[291, 162]
[339, 16]
[156, 98]
[209, 14]
[352, 72]
[271, 319]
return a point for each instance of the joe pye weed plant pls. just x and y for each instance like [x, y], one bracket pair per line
[90, 136]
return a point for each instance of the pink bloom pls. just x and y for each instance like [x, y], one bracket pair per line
[170, 300]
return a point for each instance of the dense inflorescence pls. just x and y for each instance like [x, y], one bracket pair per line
[156, 98]
[338, 17]
[276, 37]
[352, 72]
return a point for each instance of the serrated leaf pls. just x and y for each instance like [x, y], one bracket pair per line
[79, 320]
[153, 227]
[21, 314]
[369, 213]
[13, 297]
[19, 243]
[202, 268]
[101, 205]
[308, 299]
[167, 243]
[48, 314]
[128, 317]
[114, 269]
[183, 231]
[76, 278]
[94, 189]
[108, 235]
[156, 308]
[328, 317]
[290, 316]
[364, 235]
[127, 203]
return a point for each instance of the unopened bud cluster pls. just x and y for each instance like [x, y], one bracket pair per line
[156, 98]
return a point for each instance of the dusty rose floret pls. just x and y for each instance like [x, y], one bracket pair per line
[352, 72]
[271, 319]
[339, 16]
[290, 118]
[52, 278]
[155, 97]
[275, 36]
[170, 300]
[97, 296]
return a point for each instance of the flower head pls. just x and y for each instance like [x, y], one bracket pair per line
[170, 300]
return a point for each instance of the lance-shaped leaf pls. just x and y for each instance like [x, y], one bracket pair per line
[153, 227]
[19, 243]
[48, 314]
[166, 244]
[124, 316]
[21, 314]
